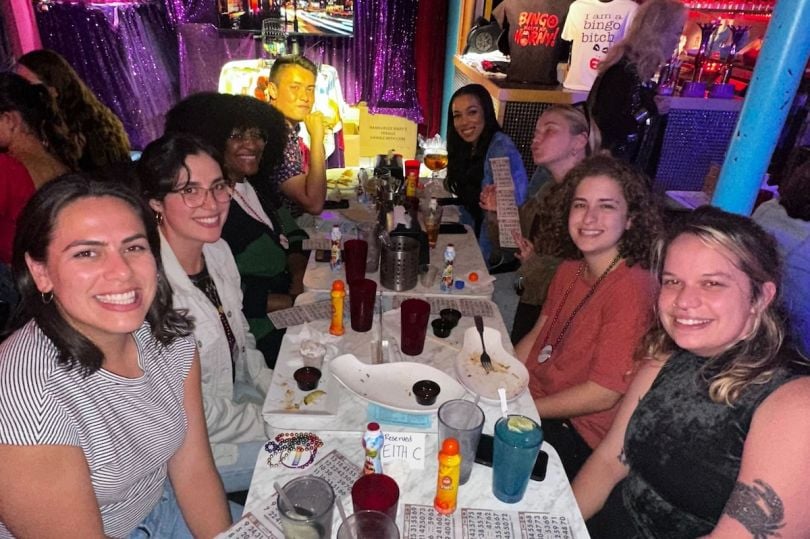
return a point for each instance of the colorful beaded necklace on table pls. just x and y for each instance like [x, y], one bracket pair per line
[548, 349]
[295, 443]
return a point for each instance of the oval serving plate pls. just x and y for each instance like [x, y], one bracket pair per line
[508, 371]
[389, 384]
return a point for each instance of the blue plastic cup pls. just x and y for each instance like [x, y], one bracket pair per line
[517, 443]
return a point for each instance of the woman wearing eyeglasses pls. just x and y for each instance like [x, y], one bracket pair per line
[263, 237]
[184, 185]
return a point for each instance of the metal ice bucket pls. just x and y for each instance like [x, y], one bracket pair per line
[399, 263]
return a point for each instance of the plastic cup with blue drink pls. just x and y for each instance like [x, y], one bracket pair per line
[517, 443]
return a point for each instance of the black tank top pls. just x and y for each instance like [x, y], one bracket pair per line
[684, 450]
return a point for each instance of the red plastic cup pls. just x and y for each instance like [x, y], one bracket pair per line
[354, 254]
[376, 492]
[362, 293]
[415, 314]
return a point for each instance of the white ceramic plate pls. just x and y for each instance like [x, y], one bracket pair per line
[389, 384]
[508, 371]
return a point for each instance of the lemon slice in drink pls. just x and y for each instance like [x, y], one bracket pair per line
[519, 424]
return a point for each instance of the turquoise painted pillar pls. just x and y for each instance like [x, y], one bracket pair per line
[776, 77]
[453, 16]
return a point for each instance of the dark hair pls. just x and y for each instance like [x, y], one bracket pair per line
[213, 117]
[97, 130]
[34, 235]
[755, 358]
[642, 210]
[39, 112]
[290, 60]
[794, 192]
[161, 162]
[465, 161]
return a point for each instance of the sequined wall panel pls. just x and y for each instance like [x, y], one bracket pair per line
[693, 140]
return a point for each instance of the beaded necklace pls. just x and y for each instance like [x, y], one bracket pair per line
[297, 443]
[548, 349]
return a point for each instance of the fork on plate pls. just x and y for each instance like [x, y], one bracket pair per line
[485, 361]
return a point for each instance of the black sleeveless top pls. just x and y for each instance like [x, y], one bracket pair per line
[684, 450]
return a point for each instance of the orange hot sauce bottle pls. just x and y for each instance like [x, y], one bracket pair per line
[447, 482]
[337, 294]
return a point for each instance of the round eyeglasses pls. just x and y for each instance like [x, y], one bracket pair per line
[194, 196]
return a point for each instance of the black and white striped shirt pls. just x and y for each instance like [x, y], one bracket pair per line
[128, 428]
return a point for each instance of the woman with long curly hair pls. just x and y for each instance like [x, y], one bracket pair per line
[34, 149]
[580, 351]
[711, 438]
[472, 141]
[623, 99]
[94, 127]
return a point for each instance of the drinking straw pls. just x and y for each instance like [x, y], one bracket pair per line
[287, 500]
[502, 395]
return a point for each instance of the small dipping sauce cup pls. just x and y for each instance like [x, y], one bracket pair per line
[441, 328]
[426, 392]
[307, 378]
[451, 316]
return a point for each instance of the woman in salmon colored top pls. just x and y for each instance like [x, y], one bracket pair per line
[580, 351]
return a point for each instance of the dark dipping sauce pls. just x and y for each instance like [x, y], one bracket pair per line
[307, 378]
[426, 392]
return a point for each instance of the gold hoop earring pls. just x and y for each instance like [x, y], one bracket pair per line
[46, 297]
[158, 218]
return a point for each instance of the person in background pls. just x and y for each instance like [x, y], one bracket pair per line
[580, 351]
[34, 149]
[623, 100]
[475, 139]
[184, 185]
[93, 127]
[562, 138]
[788, 220]
[99, 388]
[262, 235]
[301, 182]
[712, 437]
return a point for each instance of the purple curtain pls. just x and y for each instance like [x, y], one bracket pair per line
[127, 54]
[141, 58]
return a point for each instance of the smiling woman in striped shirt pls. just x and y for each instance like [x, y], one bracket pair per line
[99, 390]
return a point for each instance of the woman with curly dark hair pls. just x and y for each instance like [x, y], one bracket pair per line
[580, 351]
[34, 149]
[94, 127]
[265, 240]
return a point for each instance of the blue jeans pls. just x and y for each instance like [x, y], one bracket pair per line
[167, 522]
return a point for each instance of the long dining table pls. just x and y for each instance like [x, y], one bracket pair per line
[548, 508]
[337, 412]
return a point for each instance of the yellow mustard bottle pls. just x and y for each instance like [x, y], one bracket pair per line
[447, 482]
[337, 294]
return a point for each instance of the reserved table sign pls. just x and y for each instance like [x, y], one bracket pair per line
[404, 446]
